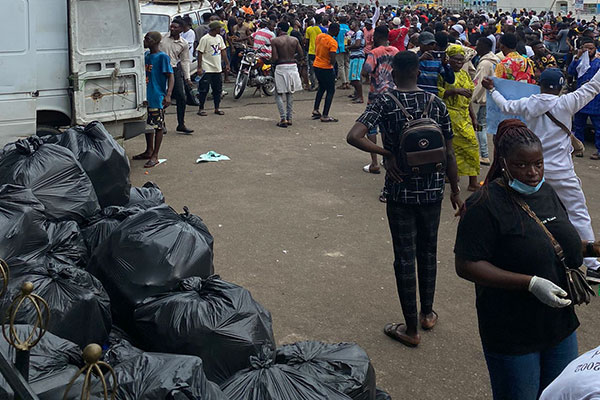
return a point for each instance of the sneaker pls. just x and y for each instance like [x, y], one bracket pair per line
[592, 276]
[484, 161]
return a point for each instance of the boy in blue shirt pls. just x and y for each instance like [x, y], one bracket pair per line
[159, 86]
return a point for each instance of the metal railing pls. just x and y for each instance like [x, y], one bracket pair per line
[17, 374]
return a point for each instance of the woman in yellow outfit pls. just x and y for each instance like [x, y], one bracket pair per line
[457, 97]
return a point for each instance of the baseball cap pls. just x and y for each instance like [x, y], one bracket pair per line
[426, 38]
[214, 25]
[458, 28]
[396, 21]
[552, 78]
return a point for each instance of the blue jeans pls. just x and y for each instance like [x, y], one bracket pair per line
[525, 376]
[482, 134]
[579, 124]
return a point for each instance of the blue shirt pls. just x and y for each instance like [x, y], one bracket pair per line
[158, 65]
[593, 107]
[430, 70]
[344, 28]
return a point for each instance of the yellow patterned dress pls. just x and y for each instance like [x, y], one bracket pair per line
[464, 142]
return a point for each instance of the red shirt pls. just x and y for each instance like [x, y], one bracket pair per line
[397, 37]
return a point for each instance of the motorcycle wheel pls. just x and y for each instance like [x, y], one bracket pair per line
[240, 84]
[269, 88]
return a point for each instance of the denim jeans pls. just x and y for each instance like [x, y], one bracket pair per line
[482, 134]
[525, 376]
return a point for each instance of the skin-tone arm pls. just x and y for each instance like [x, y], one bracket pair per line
[200, 71]
[486, 274]
[224, 57]
[274, 54]
[332, 57]
[452, 173]
[594, 253]
[170, 85]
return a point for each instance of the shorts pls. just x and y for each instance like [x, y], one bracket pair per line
[356, 65]
[372, 131]
[156, 118]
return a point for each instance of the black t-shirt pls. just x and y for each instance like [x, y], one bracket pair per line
[497, 230]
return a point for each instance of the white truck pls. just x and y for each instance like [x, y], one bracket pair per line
[66, 62]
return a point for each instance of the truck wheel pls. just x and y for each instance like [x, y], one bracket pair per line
[45, 130]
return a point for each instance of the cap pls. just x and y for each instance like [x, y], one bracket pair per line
[368, 21]
[552, 78]
[214, 25]
[396, 21]
[458, 28]
[426, 38]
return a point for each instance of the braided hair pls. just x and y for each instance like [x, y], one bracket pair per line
[512, 133]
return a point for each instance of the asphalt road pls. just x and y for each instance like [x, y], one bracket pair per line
[298, 223]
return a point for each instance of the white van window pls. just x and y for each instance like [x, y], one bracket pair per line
[155, 22]
[98, 33]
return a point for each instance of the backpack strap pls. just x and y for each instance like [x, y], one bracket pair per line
[428, 106]
[557, 122]
[400, 106]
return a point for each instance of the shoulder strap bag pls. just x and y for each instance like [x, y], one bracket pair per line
[576, 143]
[579, 290]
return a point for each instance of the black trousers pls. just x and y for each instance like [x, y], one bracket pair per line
[326, 79]
[179, 95]
[215, 81]
[414, 229]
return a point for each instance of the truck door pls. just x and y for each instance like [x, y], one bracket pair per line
[107, 60]
[18, 78]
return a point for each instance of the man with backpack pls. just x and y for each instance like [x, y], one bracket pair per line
[418, 154]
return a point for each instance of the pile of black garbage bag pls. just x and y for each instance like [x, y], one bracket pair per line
[118, 267]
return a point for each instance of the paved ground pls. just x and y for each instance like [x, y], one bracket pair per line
[298, 223]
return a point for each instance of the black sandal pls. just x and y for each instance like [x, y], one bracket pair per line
[316, 115]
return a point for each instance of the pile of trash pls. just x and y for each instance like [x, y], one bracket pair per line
[118, 267]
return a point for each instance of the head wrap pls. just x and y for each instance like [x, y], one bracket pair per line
[454, 50]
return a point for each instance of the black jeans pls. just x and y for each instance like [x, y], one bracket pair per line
[326, 79]
[414, 229]
[179, 95]
[215, 81]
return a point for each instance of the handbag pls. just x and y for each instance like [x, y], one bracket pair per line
[577, 144]
[579, 290]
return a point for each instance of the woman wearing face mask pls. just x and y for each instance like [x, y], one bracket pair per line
[526, 322]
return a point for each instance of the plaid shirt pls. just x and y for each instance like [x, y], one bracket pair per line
[383, 112]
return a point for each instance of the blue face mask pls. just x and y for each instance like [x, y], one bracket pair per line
[524, 188]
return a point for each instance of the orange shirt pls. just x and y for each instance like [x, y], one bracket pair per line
[324, 45]
[248, 10]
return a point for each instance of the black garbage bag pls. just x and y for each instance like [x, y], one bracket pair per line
[145, 197]
[66, 244]
[382, 395]
[266, 380]
[344, 366]
[156, 376]
[53, 362]
[79, 306]
[100, 226]
[54, 176]
[120, 347]
[102, 158]
[216, 320]
[22, 233]
[148, 254]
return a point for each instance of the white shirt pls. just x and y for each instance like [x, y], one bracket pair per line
[211, 47]
[555, 142]
[580, 380]
[190, 37]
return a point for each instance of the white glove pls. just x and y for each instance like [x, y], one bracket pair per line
[548, 293]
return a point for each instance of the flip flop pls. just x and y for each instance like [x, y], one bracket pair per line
[289, 122]
[202, 113]
[142, 156]
[595, 156]
[428, 325]
[367, 169]
[316, 116]
[219, 112]
[391, 330]
[151, 164]
[282, 124]
[328, 119]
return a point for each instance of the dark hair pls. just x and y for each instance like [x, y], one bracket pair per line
[406, 62]
[487, 43]
[439, 26]
[333, 26]
[535, 42]
[283, 26]
[381, 32]
[179, 21]
[511, 134]
[188, 20]
[509, 40]
[206, 16]
[441, 39]
[585, 40]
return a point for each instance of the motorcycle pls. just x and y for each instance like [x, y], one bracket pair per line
[253, 72]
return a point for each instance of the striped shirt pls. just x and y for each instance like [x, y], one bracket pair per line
[430, 70]
[262, 42]
[383, 112]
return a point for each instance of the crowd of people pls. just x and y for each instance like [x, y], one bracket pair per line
[429, 74]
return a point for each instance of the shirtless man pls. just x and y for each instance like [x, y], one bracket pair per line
[287, 79]
[240, 37]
